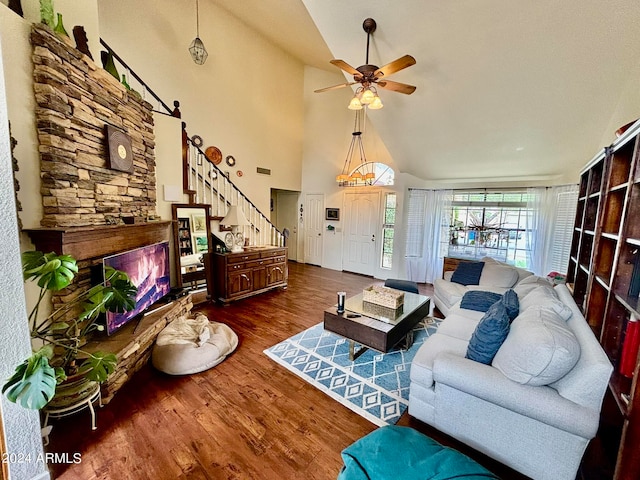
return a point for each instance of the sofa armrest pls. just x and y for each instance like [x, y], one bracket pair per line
[540, 403]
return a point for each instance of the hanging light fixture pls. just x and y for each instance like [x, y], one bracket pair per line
[365, 96]
[196, 49]
[357, 177]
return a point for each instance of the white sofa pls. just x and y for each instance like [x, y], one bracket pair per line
[539, 430]
[496, 277]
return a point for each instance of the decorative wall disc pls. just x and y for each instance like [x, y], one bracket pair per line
[230, 160]
[239, 173]
[214, 154]
[120, 154]
[197, 140]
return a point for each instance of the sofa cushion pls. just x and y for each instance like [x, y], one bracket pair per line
[511, 304]
[449, 292]
[460, 323]
[498, 276]
[529, 284]
[489, 334]
[522, 273]
[545, 296]
[422, 363]
[539, 350]
[479, 300]
[468, 273]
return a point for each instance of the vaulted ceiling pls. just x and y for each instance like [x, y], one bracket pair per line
[507, 91]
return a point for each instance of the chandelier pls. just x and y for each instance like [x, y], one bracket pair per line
[359, 176]
[196, 49]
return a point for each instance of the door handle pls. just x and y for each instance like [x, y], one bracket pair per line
[319, 234]
[373, 238]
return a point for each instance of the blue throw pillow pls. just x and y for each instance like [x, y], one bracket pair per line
[489, 334]
[468, 273]
[511, 304]
[479, 300]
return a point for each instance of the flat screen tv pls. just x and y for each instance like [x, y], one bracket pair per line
[148, 269]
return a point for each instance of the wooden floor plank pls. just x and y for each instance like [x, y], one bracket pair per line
[247, 418]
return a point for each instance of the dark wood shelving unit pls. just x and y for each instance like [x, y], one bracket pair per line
[604, 252]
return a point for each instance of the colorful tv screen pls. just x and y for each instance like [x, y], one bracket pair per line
[148, 269]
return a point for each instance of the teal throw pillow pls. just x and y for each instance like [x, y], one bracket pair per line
[489, 334]
[468, 273]
[511, 303]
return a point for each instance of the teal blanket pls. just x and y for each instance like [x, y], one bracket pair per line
[401, 453]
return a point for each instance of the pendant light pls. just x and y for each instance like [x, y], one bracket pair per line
[196, 49]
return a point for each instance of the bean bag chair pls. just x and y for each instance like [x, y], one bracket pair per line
[401, 453]
[192, 345]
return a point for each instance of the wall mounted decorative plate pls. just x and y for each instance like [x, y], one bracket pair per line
[120, 155]
[239, 173]
[197, 140]
[230, 160]
[214, 154]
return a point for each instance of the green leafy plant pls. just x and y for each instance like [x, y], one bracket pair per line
[64, 330]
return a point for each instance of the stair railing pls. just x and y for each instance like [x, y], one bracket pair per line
[203, 181]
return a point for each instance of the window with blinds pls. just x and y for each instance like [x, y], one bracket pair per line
[562, 231]
[416, 213]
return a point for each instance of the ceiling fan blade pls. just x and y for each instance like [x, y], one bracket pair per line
[395, 66]
[326, 89]
[346, 67]
[396, 86]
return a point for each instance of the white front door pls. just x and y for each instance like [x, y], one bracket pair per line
[313, 218]
[360, 227]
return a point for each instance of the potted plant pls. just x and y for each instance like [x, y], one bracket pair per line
[63, 332]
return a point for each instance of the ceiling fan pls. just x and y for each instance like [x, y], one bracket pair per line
[370, 75]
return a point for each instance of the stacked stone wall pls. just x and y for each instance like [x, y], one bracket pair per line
[76, 100]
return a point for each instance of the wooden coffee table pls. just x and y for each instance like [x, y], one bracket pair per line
[376, 327]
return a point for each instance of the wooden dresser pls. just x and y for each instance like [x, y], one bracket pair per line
[232, 276]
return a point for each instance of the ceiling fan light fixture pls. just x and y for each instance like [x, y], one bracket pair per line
[376, 104]
[367, 96]
[355, 103]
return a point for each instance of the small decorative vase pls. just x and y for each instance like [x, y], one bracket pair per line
[60, 30]
[109, 65]
[124, 82]
[46, 12]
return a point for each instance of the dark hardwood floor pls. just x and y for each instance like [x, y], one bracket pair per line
[247, 418]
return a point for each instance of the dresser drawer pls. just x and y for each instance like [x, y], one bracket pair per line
[244, 257]
[274, 253]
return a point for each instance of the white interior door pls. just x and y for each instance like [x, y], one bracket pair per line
[313, 228]
[361, 223]
[287, 215]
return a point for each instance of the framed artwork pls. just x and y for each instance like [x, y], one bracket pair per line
[332, 213]
[199, 223]
[202, 245]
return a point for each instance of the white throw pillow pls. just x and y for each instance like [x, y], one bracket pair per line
[522, 273]
[540, 348]
[498, 275]
[544, 296]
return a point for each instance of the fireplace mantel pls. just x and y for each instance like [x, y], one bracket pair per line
[97, 241]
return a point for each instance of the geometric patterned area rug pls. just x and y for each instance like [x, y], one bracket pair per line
[375, 385]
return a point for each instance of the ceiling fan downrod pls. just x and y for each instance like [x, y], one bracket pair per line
[369, 26]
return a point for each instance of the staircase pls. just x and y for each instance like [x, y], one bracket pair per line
[202, 180]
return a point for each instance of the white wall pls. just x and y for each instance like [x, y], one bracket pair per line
[22, 427]
[246, 98]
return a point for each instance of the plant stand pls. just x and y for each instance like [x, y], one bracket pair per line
[63, 411]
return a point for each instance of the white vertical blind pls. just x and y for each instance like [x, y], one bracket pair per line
[562, 231]
[416, 217]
